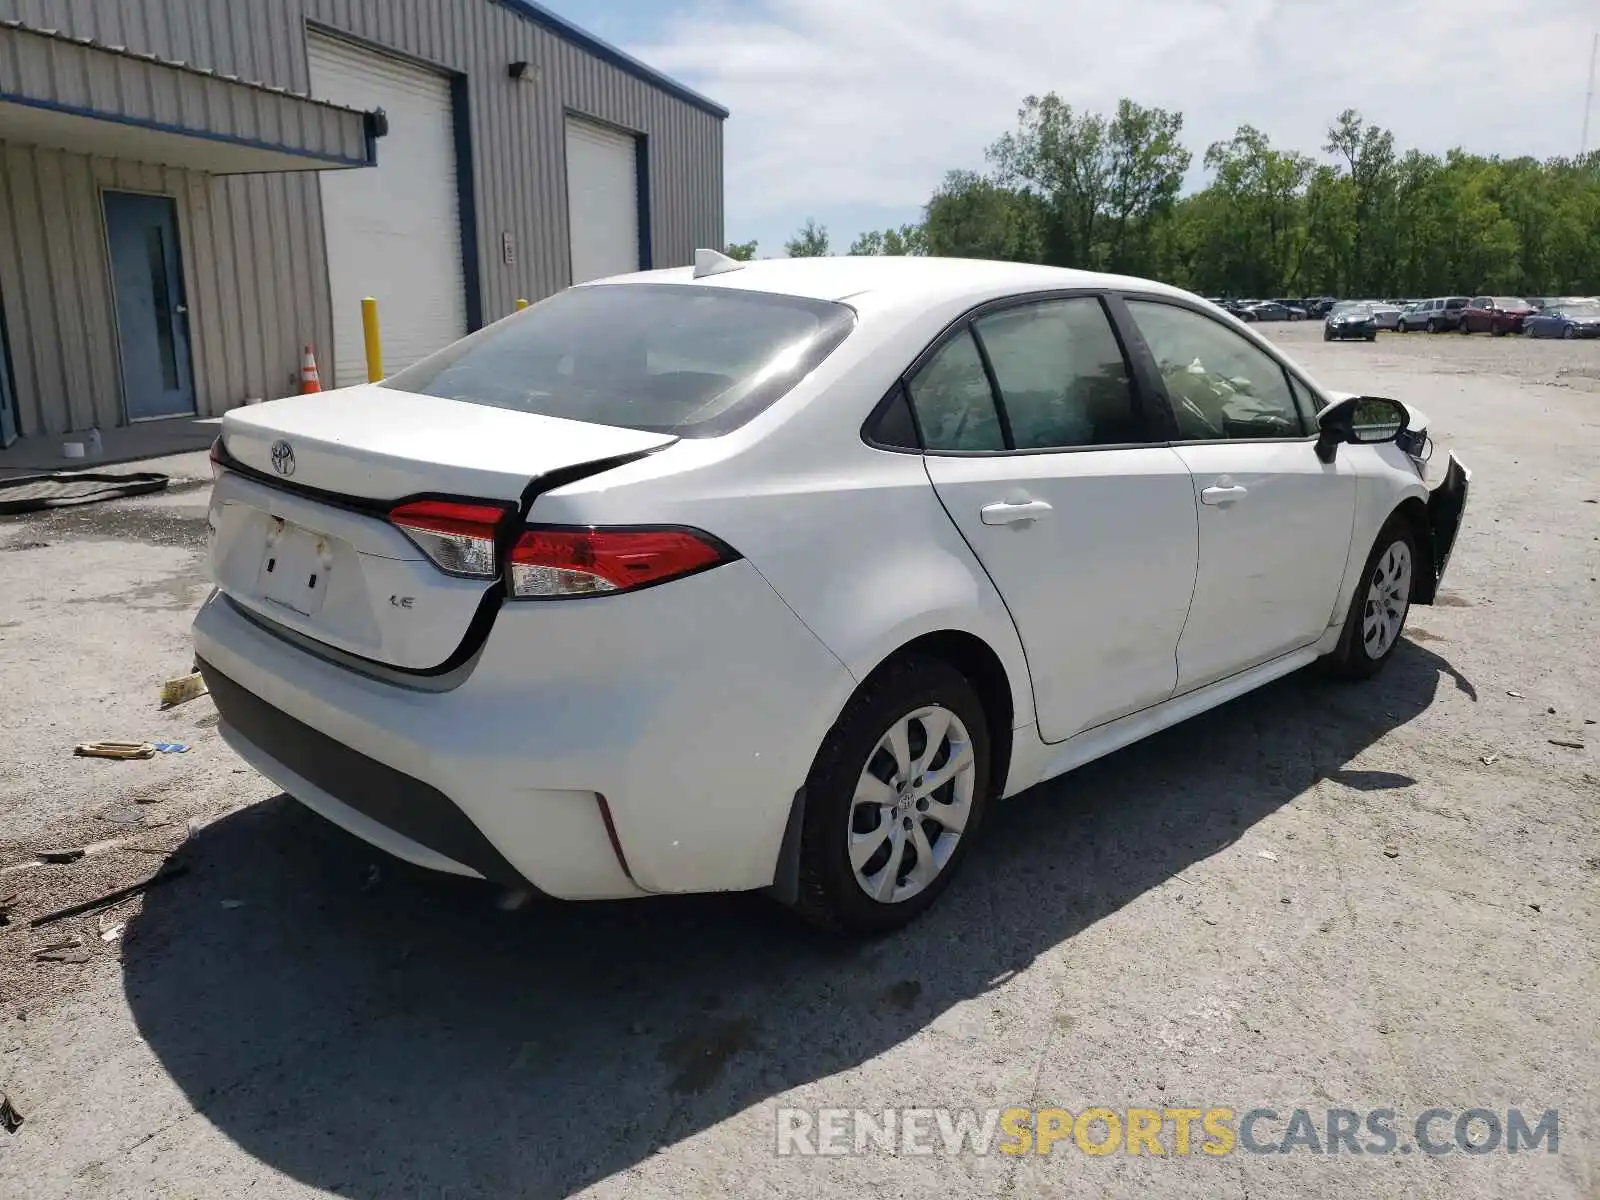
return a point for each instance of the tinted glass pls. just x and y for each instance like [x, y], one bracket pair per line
[1481, 302]
[1220, 384]
[893, 425]
[1510, 302]
[1061, 374]
[670, 358]
[955, 407]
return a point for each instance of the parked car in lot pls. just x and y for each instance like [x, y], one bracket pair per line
[1386, 314]
[1270, 310]
[1434, 316]
[1581, 320]
[1350, 319]
[1498, 315]
[776, 575]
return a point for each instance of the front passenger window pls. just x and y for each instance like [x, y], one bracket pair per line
[1222, 386]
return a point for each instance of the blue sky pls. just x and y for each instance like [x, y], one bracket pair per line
[850, 111]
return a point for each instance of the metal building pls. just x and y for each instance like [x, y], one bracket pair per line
[191, 190]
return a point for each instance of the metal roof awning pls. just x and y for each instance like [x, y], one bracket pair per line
[75, 94]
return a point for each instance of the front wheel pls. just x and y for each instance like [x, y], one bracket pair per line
[1568, 333]
[1432, 326]
[893, 799]
[1463, 328]
[1402, 327]
[1372, 337]
[1379, 608]
[1327, 335]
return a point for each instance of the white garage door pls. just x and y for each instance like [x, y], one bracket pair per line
[394, 230]
[602, 200]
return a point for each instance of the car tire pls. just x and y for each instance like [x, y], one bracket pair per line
[1377, 615]
[1497, 330]
[1402, 327]
[1372, 337]
[1432, 326]
[832, 893]
[1464, 329]
[1568, 333]
[1327, 335]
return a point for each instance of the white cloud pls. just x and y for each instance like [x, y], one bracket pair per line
[845, 106]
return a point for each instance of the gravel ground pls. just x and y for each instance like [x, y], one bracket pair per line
[1317, 897]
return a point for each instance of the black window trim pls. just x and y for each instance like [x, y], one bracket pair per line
[1151, 401]
[965, 323]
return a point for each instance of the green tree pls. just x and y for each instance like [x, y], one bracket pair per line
[908, 239]
[810, 242]
[1147, 164]
[970, 216]
[1062, 160]
[743, 251]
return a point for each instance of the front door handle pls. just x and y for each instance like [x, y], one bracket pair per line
[1223, 495]
[1013, 514]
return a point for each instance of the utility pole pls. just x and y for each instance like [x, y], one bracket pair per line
[1588, 97]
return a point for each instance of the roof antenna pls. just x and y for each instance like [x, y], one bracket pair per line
[714, 262]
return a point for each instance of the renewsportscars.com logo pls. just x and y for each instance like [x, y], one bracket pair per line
[1159, 1132]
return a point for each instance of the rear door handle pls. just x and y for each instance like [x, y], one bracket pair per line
[1013, 514]
[1223, 495]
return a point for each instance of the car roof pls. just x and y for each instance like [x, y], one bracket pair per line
[895, 277]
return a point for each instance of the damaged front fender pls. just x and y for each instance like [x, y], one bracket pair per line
[1446, 504]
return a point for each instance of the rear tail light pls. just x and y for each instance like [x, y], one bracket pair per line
[457, 537]
[551, 564]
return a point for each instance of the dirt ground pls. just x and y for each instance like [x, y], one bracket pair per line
[1318, 897]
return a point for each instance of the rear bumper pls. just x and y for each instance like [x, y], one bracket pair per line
[692, 711]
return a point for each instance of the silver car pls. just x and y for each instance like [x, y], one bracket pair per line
[1436, 316]
[1385, 315]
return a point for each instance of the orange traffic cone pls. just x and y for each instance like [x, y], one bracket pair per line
[309, 380]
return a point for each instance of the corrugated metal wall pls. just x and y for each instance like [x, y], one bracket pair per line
[253, 244]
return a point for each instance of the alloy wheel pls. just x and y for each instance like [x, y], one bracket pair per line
[911, 804]
[1388, 599]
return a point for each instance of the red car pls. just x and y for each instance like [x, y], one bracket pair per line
[1498, 315]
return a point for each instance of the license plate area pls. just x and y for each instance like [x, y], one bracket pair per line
[296, 567]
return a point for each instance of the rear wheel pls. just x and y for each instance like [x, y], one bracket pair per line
[1382, 600]
[893, 799]
[1372, 337]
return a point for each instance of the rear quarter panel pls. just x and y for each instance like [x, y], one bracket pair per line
[853, 538]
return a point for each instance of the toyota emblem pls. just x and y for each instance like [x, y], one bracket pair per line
[282, 457]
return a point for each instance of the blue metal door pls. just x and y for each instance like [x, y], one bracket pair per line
[152, 320]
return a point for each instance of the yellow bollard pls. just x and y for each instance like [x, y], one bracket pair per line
[521, 304]
[369, 329]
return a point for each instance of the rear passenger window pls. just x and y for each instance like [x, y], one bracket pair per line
[955, 406]
[1062, 378]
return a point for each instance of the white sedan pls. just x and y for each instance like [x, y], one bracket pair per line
[775, 575]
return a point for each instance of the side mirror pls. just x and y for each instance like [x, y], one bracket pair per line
[1361, 421]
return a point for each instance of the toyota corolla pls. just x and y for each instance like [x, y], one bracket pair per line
[776, 575]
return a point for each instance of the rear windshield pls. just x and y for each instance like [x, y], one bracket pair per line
[668, 358]
[1456, 302]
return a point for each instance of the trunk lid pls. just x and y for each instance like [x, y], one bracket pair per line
[301, 536]
[378, 443]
